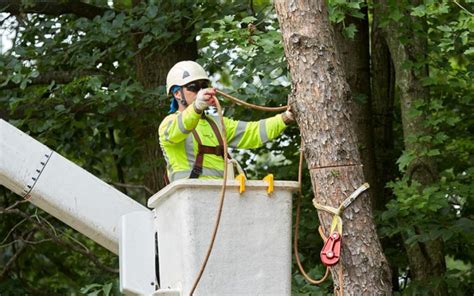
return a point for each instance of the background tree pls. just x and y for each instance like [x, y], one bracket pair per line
[426, 259]
[425, 201]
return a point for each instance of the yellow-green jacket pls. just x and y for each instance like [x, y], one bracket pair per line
[180, 148]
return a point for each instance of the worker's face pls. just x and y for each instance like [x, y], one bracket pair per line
[191, 89]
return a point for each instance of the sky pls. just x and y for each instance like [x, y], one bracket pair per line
[5, 33]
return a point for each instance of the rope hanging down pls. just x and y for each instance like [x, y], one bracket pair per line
[221, 202]
[222, 194]
[297, 226]
[332, 244]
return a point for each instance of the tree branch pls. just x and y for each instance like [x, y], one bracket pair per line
[5, 19]
[12, 260]
[59, 241]
[463, 8]
[117, 162]
[60, 77]
[54, 8]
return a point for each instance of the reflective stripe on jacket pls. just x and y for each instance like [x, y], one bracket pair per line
[180, 148]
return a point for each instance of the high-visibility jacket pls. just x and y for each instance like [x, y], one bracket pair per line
[180, 147]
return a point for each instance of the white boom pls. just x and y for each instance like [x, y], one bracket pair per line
[61, 188]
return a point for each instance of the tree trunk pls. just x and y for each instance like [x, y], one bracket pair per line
[355, 57]
[383, 97]
[426, 259]
[152, 69]
[383, 112]
[322, 103]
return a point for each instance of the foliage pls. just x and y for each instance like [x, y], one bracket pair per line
[99, 290]
[340, 10]
[93, 111]
[245, 54]
[441, 210]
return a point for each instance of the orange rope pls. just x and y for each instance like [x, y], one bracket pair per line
[252, 106]
[321, 233]
[221, 204]
[297, 223]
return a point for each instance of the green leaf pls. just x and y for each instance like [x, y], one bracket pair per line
[107, 288]
[207, 30]
[445, 28]
[248, 19]
[360, 98]
[34, 74]
[90, 287]
[60, 108]
[396, 15]
[152, 11]
[229, 18]
[16, 78]
[446, 235]
[418, 11]
[404, 160]
[24, 83]
[433, 152]
[469, 51]
[350, 31]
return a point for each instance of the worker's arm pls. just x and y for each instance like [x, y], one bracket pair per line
[253, 134]
[176, 127]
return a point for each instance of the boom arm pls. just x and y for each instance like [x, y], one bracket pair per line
[61, 188]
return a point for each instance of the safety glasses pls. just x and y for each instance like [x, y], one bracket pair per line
[196, 86]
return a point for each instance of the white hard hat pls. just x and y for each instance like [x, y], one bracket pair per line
[183, 73]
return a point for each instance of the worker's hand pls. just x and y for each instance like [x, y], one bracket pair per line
[288, 116]
[205, 97]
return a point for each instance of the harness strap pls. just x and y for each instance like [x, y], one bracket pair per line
[203, 149]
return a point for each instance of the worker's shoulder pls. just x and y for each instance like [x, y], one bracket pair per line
[168, 118]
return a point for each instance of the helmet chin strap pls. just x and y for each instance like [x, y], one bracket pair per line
[182, 101]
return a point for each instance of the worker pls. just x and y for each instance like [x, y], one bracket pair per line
[191, 140]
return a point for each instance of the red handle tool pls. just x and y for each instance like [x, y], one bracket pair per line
[331, 250]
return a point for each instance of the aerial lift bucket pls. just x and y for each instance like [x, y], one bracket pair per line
[252, 251]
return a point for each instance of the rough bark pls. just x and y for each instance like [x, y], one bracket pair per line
[355, 58]
[152, 68]
[322, 102]
[426, 259]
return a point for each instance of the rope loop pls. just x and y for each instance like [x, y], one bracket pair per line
[335, 224]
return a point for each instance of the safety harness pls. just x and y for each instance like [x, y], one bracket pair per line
[203, 149]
